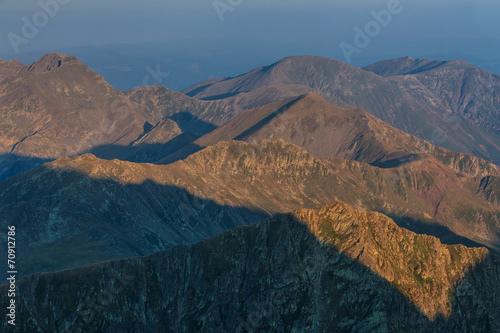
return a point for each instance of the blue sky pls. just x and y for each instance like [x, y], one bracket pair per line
[257, 31]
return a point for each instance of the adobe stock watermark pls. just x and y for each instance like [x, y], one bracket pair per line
[30, 28]
[223, 6]
[373, 28]
[156, 74]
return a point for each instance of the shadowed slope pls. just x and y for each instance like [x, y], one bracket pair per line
[172, 104]
[277, 276]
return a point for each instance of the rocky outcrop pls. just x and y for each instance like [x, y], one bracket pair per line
[489, 188]
[51, 61]
[419, 266]
[328, 270]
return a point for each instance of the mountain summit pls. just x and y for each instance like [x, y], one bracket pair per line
[51, 61]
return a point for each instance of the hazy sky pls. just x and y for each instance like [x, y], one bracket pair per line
[83, 22]
[266, 30]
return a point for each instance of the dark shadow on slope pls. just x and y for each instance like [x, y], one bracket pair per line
[66, 219]
[147, 127]
[12, 164]
[188, 123]
[180, 154]
[143, 153]
[273, 277]
[266, 120]
[176, 149]
[193, 128]
[475, 300]
[190, 149]
[396, 162]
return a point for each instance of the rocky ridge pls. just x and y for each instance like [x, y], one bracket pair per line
[332, 269]
[92, 209]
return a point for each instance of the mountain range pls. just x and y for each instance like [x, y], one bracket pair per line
[461, 87]
[417, 110]
[358, 199]
[41, 101]
[57, 107]
[92, 209]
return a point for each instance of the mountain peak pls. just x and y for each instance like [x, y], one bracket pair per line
[50, 61]
[375, 241]
[312, 97]
[309, 61]
[12, 62]
[10, 67]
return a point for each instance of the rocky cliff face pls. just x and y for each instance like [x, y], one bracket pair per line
[329, 270]
[489, 188]
[88, 209]
[50, 62]
[418, 265]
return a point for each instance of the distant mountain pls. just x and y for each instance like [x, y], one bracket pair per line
[329, 270]
[88, 210]
[462, 87]
[192, 115]
[411, 110]
[58, 107]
